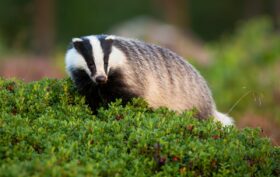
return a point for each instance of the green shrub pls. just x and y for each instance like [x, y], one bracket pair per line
[47, 130]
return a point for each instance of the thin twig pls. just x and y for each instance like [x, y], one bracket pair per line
[236, 103]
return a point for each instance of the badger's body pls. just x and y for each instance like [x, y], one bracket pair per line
[108, 67]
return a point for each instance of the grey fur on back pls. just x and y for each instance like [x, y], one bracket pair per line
[163, 78]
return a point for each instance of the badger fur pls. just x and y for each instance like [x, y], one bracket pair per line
[105, 67]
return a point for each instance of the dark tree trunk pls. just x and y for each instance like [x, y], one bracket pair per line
[253, 8]
[43, 27]
[175, 12]
[277, 14]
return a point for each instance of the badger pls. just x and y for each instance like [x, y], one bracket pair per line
[108, 67]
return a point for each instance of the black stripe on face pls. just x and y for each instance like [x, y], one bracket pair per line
[106, 45]
[85, 49]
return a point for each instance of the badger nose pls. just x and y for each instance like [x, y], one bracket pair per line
[101, 79]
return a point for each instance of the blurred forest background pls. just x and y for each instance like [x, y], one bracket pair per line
[235, 44]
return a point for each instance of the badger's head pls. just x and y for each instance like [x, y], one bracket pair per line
[95, 55]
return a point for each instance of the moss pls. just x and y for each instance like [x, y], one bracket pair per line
[47, 130]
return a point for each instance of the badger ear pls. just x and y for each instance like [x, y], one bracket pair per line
[110, 39]
[78, 44]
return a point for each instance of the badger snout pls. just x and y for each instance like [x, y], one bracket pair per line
[100, 79]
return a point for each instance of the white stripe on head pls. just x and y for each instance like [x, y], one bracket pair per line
[98, 55]
[75, 60]
[116, 59]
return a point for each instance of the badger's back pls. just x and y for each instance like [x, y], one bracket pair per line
[164, 78]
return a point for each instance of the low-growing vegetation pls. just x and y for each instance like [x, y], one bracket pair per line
[47, 129]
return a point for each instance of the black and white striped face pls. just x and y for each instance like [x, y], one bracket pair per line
[93, 54]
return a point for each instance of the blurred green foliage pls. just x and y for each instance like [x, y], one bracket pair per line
[47, 130]
[75, 18]
[95, 17]
[2, 47]
[246, 68]
[15, 22]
